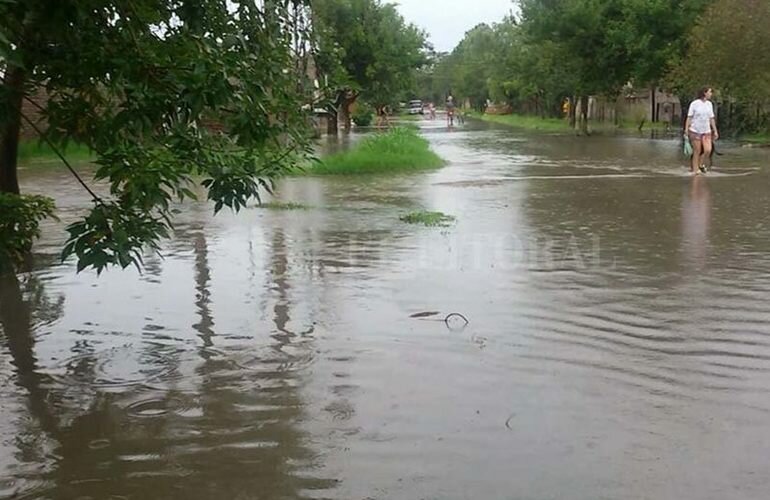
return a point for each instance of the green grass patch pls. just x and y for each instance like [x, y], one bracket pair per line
[527, 122]
[34, 151]
[279, 205]
[762, 139]
[397, 150]
[426, 218]
[562, 125]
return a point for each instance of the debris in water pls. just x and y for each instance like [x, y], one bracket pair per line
[423, 314]
[459, 320]
[454, 321]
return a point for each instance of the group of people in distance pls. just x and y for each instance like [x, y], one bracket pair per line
[451, 111]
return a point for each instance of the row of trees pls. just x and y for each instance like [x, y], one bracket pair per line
[140, 82]
[564, 48]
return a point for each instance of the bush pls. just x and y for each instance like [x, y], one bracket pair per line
[363, 115]
[20, 218]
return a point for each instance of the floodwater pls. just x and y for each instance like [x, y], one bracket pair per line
[618, 343]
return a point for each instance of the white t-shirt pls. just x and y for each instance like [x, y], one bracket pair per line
[701, 112]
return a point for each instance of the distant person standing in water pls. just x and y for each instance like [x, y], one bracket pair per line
[700, 129]
[450, 110]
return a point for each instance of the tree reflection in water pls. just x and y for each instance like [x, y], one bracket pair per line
[229, 428]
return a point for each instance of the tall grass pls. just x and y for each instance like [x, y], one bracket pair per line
[397, 150]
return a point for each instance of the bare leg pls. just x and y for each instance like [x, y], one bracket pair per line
[707, 147]
[697, 149]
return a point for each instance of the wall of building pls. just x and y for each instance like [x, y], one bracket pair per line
[32, 111]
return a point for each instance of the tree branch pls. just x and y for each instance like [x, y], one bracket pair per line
[55, 149]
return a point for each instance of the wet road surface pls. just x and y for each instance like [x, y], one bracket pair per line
[618, 344]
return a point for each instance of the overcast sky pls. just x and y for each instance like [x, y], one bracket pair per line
[446, 21]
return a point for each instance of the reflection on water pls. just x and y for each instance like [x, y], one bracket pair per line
[104, 429]
[696, 214]
[202, 300]
[617, 346]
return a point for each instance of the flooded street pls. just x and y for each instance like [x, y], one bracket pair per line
[618, 343]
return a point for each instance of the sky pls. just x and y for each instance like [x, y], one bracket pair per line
[446, 21]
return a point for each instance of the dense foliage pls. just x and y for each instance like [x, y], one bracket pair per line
[730, 49]
[366, 49]
[167, 94]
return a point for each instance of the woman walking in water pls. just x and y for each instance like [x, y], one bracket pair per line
[701, 129]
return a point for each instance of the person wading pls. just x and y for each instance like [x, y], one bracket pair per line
[701, 129]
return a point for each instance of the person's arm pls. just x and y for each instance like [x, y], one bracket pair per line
[688, 121]
[713, 123]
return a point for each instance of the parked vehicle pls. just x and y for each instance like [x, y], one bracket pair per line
[415, 107]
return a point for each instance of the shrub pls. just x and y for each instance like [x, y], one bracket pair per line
[20, 218]
[363, 115]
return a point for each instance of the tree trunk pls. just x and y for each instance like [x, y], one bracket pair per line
[573, 111]
[15, 317]
[759, 116]
[653, 107]
[331, 123]
[344, 114]
[344, 109]
[9, 131]
[684, 105]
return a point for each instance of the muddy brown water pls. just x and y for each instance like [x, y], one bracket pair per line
[618, 344]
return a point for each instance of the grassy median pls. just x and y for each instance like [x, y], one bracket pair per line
[397, 150]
